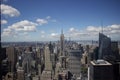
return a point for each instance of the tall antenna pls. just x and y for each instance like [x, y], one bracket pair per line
[62, 31]
[102, 26]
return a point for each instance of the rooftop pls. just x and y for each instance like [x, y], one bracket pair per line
[100, 62]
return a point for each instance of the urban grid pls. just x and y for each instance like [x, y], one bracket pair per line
[61, 60]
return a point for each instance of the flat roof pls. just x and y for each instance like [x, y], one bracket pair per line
[100, 62]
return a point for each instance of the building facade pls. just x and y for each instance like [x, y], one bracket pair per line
[101, 70]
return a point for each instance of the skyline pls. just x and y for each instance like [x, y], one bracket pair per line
[43, 20]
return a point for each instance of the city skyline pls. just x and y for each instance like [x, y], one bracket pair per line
[43, 20]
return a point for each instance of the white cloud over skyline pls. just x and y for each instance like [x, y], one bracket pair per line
[9, 10]
[93, 31]
[19, 27]
[89, 33]
[54, 35]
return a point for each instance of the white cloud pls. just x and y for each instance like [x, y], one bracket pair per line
[54, 35]
[3, 21]
[72, 30]
[41, 21]
[107, 29]
[93, 31]
[9, 10]
[20, 27]
[24, 25]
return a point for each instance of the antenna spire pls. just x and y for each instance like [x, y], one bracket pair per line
[102, 25]
[62, 31]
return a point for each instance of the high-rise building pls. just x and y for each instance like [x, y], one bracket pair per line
[47, 74]
[100, 70]
[104, 46]
[39, 71]
[20, 73]
[115, 50]
[48, 64]
[2, 57]
[27, 61]
[74, 62]
[12, 57]
[62, 44]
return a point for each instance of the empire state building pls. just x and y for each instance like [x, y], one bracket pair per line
[62, 44]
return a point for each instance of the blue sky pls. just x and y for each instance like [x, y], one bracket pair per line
[42, 20]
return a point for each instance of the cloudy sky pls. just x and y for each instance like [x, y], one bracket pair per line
[43, 20]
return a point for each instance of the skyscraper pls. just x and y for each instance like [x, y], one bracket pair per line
[101, 70]
[20, 73]
[47, 74]
[104, 46]
[74, 62]
[12, 57]
[48, 64]
[62, 44]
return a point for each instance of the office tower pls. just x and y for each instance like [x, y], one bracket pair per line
[20, 59]
[51, 48]
[38, 52]
[74, 62]
[52, 55]
[47, 73]
[62, 60]
[2, 57]
[115, 50]
[12, 57]
[116, 70]
[20, 73]
[84, 58]
[57, 70]
[27, 61]
[48, 64]
[4, 68]
[39, 71]
[101, 70]
[62, 44]
[104, 46]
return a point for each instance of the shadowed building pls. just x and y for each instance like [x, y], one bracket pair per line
[12, 57]
[101, 70]
[104, 46]
[74, 62]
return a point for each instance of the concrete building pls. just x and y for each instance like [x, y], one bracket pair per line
[48, 64]
[84, 58]
[115, 50]
[62, 44]
[39, 71]
[20, 74]
[74, 62]
[100, 70]
[12, 57]
[47, 74]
